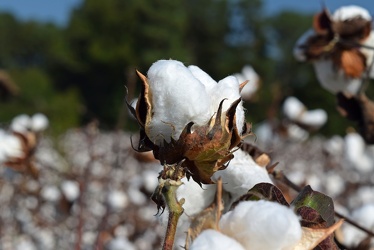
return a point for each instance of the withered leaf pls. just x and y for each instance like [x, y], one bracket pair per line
[311, 238]
[262, 191]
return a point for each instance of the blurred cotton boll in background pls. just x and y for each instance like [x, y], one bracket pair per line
[24, 123]
[296, 111]
[250, 75]
[10, 146]
[332, 48]
[262, 225]
[363, 216]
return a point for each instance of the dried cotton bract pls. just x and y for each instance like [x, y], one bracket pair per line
[186, 117]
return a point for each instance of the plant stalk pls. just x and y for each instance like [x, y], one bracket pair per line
[175, 211]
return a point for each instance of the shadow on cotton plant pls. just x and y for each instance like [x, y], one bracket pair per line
[194, 126]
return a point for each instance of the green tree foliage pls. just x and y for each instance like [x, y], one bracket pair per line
[95, 56]
[28, 51]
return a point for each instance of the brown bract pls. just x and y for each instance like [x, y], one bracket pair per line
[338, 41]
[203, 149]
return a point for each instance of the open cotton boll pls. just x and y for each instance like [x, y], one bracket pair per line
[203, 77]
[293, 108]
[298, 51]
[39, 122]
[211, 239]
[10, 146]
[21, 123]
[117, 199]
[228, 88]
[355, 153]
[196, 198]
[350, 12]
[364, 216]
[314, 118]
[177, 99]
[335, 80]
[262, 225]
[248, 73]
[70, 189]
[241, 174]
[296, 133]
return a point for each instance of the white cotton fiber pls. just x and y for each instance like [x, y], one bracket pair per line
[211, 239]
[262, 225]
[364, 216]
[177, 98]
[349, 12]
[203, 77]
[241, 174]
[10, 146]
[196, 198]
[248, 73]
[39, 122]
[70, 189]
[293, 108]
[314, 118]
[21, 123]
[228, 88]
[335, 80]
[355, 153]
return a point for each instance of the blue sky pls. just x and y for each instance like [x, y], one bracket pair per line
[58, 10]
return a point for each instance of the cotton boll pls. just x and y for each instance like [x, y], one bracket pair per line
[355, 153]
[228, 88]
[203, 77]
[241, 174]
[50, 193]
[335, 80]
[10, 146]
[177, 98]
[350, 12]
[335, 145]
[293, 108]
[39, 122]
[262, 225]
[120, 243]
[21, 123]
[297, 133]
[117, 199]
[363, 216]
[196, 198]
[298, 51]
[248, 73]
[314, 118]
[70, 189]
[211, 239]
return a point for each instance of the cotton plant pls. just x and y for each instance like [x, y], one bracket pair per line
[195, 127]
[340, 48]
[263, 219]
[19, 142]
[191, 123]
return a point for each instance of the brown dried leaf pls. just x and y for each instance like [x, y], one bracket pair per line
[313, 237]
[322, 22]
[353, 63]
